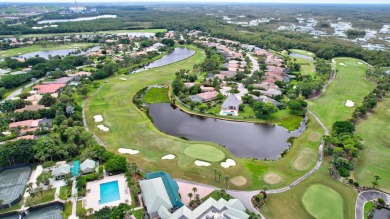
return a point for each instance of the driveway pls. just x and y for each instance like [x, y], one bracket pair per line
[367, 196]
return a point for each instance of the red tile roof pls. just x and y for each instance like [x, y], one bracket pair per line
[47, 88]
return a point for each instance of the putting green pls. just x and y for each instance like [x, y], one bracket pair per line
[323, 202]
[204, 152]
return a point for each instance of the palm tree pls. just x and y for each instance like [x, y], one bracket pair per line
[215, 173]
[90, 211]
[40, 190]
[219, 175]
[227, 181]
[194, 190]
[190, 196]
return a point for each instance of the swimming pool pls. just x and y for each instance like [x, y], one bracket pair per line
[109, 192]
[75, 168]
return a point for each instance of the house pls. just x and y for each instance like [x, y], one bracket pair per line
[230, 106]
[232, 209]
[266, 99]
[80, 73]
[206, 89]
[63, 80]
[189, 84]
[271, 92]
[228, 73]
[61, 171]
[266, 85]
[159, 190]
[88, 166]
[48, 88]
[30, 108]
[34, 99]
[204, 97]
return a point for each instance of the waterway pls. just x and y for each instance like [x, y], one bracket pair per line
[75, 19]
[243, 139]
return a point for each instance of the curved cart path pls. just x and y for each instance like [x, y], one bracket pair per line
[367, 196]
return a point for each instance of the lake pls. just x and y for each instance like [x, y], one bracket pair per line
[243, 139]
[61, 52]
[300, 56]
[176, 55]
[76, 19]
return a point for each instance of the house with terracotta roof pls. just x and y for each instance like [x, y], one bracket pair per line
[30, 108]
[30, 125]
[62, 80]
[206, 89]
[47, 88]
[204, 97]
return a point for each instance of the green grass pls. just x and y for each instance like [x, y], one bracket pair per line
[216, 195]
[307, 66]
[64, 192]
[204, 152]
[68, 209]
[156, 95]
[139, 214]
[84, 33]
[331, 204]
[368, 206]
[302, 52]
[47, 196]
[131, 128]
[375, 157]
[349, 84]
[13, 208]
[36, 48]
[289, 204]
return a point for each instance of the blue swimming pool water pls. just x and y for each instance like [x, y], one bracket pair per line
[75, 168]
[109, 192]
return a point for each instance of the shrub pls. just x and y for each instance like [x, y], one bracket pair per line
[48, 164]
[356, 184]
[381, 201]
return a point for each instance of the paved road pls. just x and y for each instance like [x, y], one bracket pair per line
[19, 91]
[366, 196]
[254, 62]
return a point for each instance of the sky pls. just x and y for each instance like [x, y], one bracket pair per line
[221, 1]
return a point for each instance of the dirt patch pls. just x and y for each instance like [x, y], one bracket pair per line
[314, 137]
[304, 159]
[238, 180]
[272, 178]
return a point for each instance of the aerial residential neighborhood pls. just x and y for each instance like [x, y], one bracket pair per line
[194, 110]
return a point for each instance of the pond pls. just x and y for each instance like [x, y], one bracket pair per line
[176, 55]
[382, 213]
[75, 19]
[300, 56]
[51, 210]
[61, 52]
[243, 139]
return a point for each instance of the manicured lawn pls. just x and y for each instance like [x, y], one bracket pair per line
[375, 157]
[64, 192]
[36, 48]
[204, 152]
[367, 208]
[331, 204]
[349, 84]
[131, 128]
[83, 33]
[13, 208]
[139, 214]
[156, 95]
[47, 196]
[303, 52]
[291, 204]
[307, 66]
[68, 209]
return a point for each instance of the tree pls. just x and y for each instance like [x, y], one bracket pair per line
[297, 105]
[375, 181]
[116, 164]
[168, 42]
[264, 109]
[194, 190]
[190, 195]
[47, 100]
[215, 174]
[44, 178]
[343, 127]
[44, 149]
[227, 182]
[40, 190]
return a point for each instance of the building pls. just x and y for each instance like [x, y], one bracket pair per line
[266, 99]
[230, 106]
[88, 166]
[232, 209]
[61, 171]
[206, 89]
[204, 97]
[80, 73]
[30, 108]
[48, 88]
[159, 190]
[63, 80]
[30, 125]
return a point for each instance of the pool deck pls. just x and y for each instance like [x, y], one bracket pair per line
[93, 196]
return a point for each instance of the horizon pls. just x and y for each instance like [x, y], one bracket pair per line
[311, 2]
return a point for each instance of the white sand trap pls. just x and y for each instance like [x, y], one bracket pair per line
[128, 151]
[168, 157]
[200, 163]
[349, 103]
[342, 64]
[103, 128]
[98, 118]
[123, 79]
[360, 63]
[228, 163]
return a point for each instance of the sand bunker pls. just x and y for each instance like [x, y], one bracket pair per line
[305, 158]
[128, 151]
[360, 63]
[342, 64]
[228, 163]
[349, 103]
[238, 180]
[123, 79]
[272, 178]
[168, 157]
[200, 163]
[98, 118]
[103, 128]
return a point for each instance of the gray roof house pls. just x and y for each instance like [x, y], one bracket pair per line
[88, 166]
[266, 99]
[232, 209]
[230, 106]
[61, 171]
